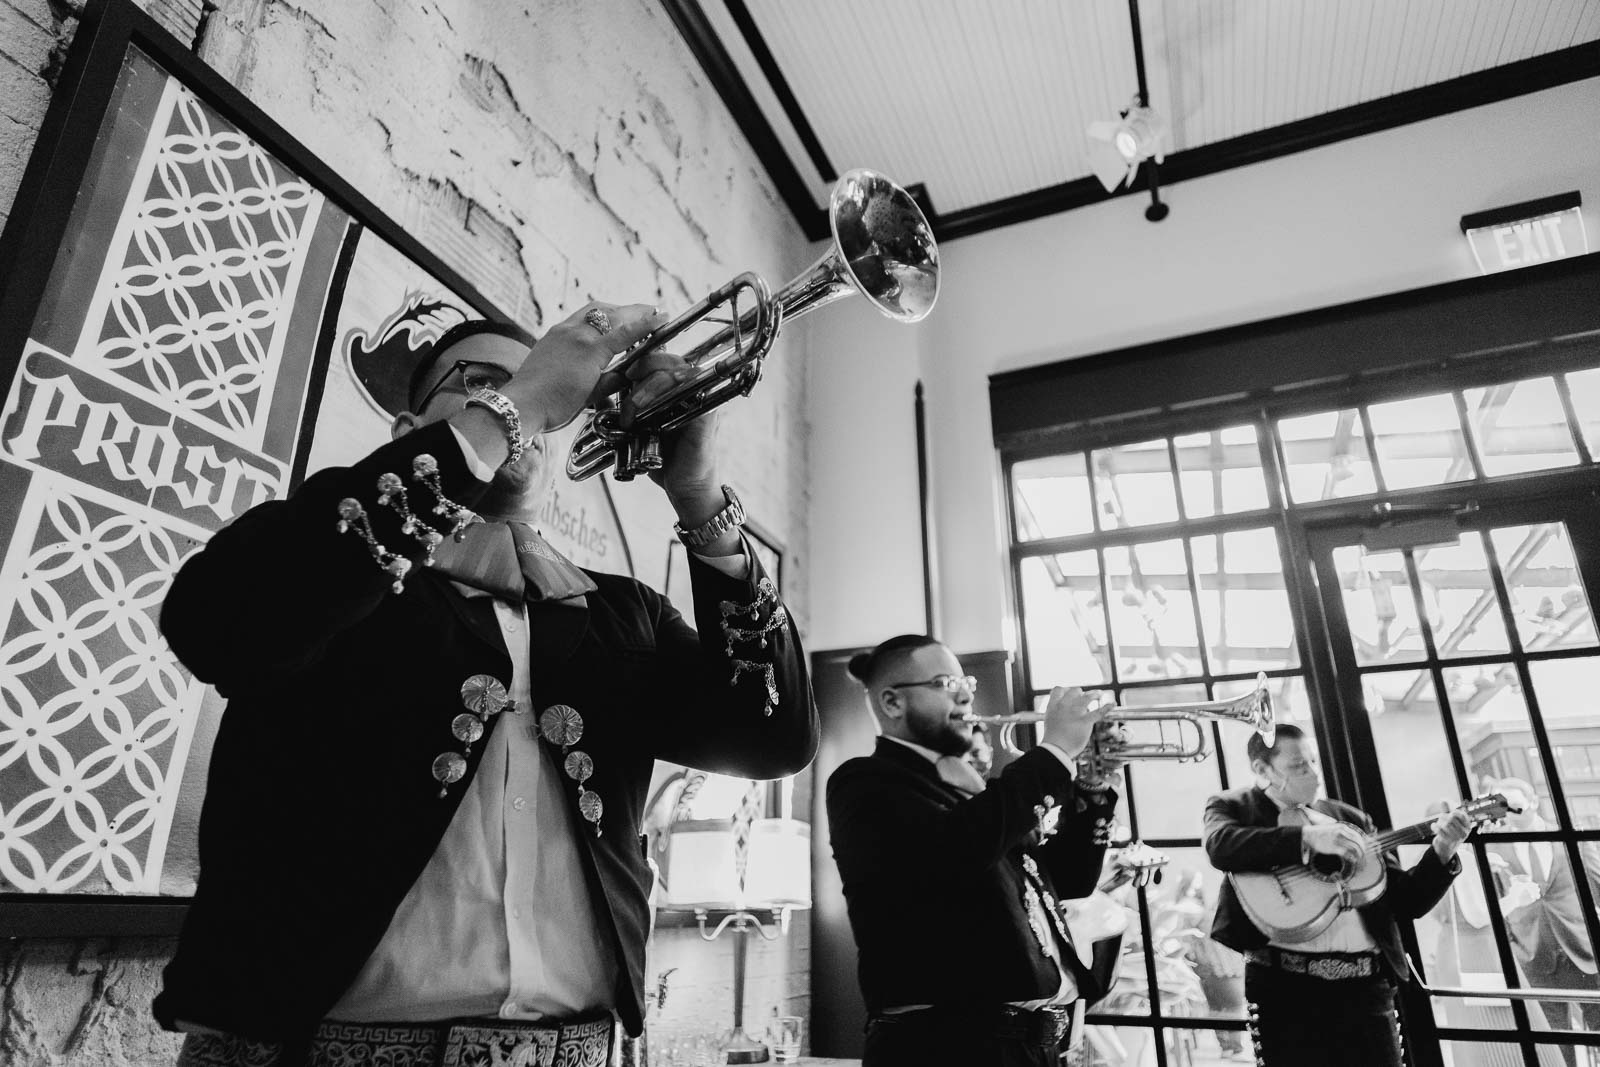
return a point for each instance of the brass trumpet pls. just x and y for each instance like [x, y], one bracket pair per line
[1107, 748]
[883, 248]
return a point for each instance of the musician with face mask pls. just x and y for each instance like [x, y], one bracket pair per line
[1328, 1000]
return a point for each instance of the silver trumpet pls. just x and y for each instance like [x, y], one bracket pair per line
[883, 248]
[1107, 747]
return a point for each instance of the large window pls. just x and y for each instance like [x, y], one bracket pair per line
[1174, 564]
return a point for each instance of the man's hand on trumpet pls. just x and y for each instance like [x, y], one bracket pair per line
[688, 470]
[1070, 717]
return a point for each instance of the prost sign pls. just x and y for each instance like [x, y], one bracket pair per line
[1522, 235]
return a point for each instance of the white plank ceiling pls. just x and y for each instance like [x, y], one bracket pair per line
[984, 100]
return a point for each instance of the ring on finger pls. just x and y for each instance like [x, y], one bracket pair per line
[597, 318]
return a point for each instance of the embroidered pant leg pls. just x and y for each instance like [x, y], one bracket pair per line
[1308, 1022]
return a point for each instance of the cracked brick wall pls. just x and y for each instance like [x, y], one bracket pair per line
[551, 151]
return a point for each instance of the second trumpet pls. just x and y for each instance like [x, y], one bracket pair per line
[1107, 747]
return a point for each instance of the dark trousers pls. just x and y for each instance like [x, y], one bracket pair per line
[1301, 1021]
[1562, 973]
[947, 1038]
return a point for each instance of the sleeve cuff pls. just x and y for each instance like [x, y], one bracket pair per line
[480, 470]
[735, 566]
[1061, 754]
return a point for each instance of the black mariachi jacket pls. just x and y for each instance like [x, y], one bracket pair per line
[933, 879]
[321, 809]
[1242, 834]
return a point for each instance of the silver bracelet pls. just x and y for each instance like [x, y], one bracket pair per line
[508, 415]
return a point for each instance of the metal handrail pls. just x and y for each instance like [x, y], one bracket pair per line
[1580, 996]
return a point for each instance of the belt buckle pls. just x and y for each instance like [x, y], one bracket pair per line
[1336, 969]
[471, 1045]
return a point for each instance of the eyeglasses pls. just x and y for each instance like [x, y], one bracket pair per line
[950, 683]
[474, 376]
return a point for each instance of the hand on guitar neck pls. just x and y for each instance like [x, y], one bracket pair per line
[1452, 829]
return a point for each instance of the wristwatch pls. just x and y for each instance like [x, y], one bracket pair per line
[716, 525]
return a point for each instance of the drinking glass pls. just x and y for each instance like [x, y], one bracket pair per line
[783, 1034]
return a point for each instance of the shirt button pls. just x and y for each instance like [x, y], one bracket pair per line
[516, 913]
[512, 627]
[519, 803]
[508, 1010]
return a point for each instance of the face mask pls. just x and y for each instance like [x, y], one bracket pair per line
[1295, 789]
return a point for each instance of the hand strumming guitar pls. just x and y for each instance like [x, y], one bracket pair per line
[1332, 839]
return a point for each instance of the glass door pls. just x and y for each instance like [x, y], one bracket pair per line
[1463, 660]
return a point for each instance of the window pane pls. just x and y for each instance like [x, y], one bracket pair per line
[1549, 939]
[1152, 612]
[1199, 978]
[1490, 714]
[1130, 996]
[1064, 622]
[1458, 594]
[1379, 606]
[1169, 797]
[1546, 589]
[1244, 605]
[1520, 426]
[1496, 1053]
[1325, 456]
[1208, 1048]
[1052, 497]
[1585, 389]
[1220, 472]
[1413, 753]
[1133, 485]
[1566, 690]
[1458, 950]
[1420, 442]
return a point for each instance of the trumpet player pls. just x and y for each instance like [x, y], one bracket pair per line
[952, 883]
[420, 838]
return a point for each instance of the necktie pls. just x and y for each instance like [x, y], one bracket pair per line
[511, 561]
[957, 772]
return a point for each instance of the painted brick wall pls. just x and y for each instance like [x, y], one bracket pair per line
[552, 151]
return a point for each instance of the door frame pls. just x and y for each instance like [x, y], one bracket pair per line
[1344, 729]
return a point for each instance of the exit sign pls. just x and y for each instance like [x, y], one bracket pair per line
[1521, 235]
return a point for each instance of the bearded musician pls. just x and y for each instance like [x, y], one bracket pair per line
[1330, 1000]
[953, 883]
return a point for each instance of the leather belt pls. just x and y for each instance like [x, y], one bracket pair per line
[1043, 1027]
[1328, 966]
[581, 1042]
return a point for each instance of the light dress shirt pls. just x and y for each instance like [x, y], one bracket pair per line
[1067, 991]
[1348, 933]
[1526, 854]
[501, 921]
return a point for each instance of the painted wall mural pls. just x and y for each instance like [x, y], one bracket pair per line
[213, 328]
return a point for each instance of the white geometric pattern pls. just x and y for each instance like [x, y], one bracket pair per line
[202, 271]
[96, 715]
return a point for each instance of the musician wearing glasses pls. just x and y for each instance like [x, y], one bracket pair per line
[952, 883]
[420, 837]
[1327, 999]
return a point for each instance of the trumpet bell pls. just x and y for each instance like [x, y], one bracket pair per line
[883, 249]
[884, 245]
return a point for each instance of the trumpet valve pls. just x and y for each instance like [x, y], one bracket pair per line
[636, 456]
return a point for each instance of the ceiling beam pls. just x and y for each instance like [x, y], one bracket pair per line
[1416, 105]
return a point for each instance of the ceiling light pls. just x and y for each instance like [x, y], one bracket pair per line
[1117, 148]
